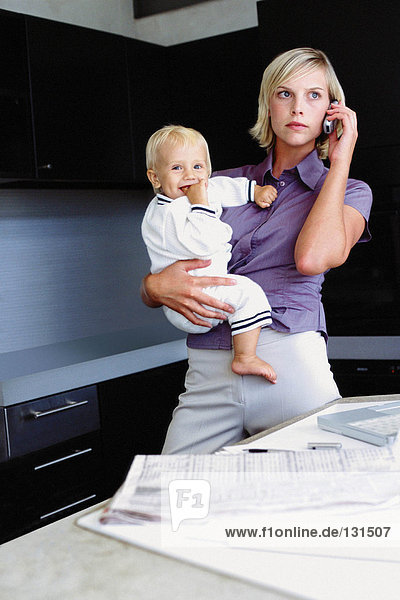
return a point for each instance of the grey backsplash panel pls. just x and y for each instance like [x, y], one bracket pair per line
[71, 263]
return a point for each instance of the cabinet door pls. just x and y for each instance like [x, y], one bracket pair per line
[80, 103]
[3, 437]
[150, 88]
[16, 142]
[135, 412]
[213, 86]
[42, 423]
[366, 377]
[45, 486]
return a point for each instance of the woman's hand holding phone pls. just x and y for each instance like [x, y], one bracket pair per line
[342, 148]
[329, 125]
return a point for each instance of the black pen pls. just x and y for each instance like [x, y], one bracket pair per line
[256, 450]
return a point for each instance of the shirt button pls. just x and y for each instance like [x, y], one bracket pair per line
[282, 183]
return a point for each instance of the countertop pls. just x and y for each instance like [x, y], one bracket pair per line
[63, 561]
[46, 370]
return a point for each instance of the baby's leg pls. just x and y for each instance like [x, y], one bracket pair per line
[246, 361]
[182, 323]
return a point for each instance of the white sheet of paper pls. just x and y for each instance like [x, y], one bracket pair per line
[248, 483]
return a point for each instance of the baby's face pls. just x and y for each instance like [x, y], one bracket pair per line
[178, 167]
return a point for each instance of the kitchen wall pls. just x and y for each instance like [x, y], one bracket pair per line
[116, 16]
[72, 265]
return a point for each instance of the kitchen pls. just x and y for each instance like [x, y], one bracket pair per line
[73, 191]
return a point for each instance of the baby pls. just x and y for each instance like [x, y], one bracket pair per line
[183, 222]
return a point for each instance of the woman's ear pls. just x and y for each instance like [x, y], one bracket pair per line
[152, 176]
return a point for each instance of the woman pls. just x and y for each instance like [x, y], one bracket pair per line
[316, 219]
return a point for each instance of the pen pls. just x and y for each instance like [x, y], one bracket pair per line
[318, 445]
[254, 450]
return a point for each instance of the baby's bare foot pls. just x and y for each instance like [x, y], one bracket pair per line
[253, 365]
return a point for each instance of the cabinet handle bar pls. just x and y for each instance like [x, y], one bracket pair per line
[37, 414]
[50, 514]
[58, 460]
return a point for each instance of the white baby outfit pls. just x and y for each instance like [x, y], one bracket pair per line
[174, 230]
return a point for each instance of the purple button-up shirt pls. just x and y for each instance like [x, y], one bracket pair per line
[263, 244]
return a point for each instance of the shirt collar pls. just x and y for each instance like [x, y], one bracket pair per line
[309, 169]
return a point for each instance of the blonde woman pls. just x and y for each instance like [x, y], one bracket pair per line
[318, 216]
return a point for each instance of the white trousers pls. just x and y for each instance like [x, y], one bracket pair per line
[252, 308]
[220, 408]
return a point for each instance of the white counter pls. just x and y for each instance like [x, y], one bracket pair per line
[63, 561]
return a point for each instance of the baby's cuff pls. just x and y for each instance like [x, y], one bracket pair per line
[252, 187]
[203, 210]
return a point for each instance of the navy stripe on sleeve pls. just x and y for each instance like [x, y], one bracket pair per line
[204, 209]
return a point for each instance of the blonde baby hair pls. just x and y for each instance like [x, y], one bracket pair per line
[175, 134]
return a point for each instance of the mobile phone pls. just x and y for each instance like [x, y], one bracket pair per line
[330, 126]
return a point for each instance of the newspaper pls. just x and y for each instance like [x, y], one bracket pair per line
[247, 483]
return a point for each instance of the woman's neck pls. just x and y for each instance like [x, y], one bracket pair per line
[286, 157]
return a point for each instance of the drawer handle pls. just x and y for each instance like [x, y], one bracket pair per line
[50, 514]
[58, 460]
[37, 414]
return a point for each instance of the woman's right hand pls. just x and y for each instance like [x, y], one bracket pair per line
[176, 288]
[341, 149]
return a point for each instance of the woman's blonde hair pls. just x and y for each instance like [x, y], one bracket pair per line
[296, 62]
[175, 134]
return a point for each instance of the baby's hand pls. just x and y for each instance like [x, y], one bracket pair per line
[264, 195]
[197, 192]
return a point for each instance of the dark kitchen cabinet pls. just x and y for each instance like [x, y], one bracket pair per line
[80, 103]
[51, 460]
[50, 484]
[76, 104]
[135, 412]
[149, 91]
[16, 141]
[84, 102]
[366, 377]
[213, 87]
[62, 453]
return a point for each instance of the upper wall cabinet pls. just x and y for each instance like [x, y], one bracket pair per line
[16, 142]
[80, 103]
[76, 104]
[150, 97]
[213, 86]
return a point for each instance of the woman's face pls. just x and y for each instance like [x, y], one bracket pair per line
[297, 110]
